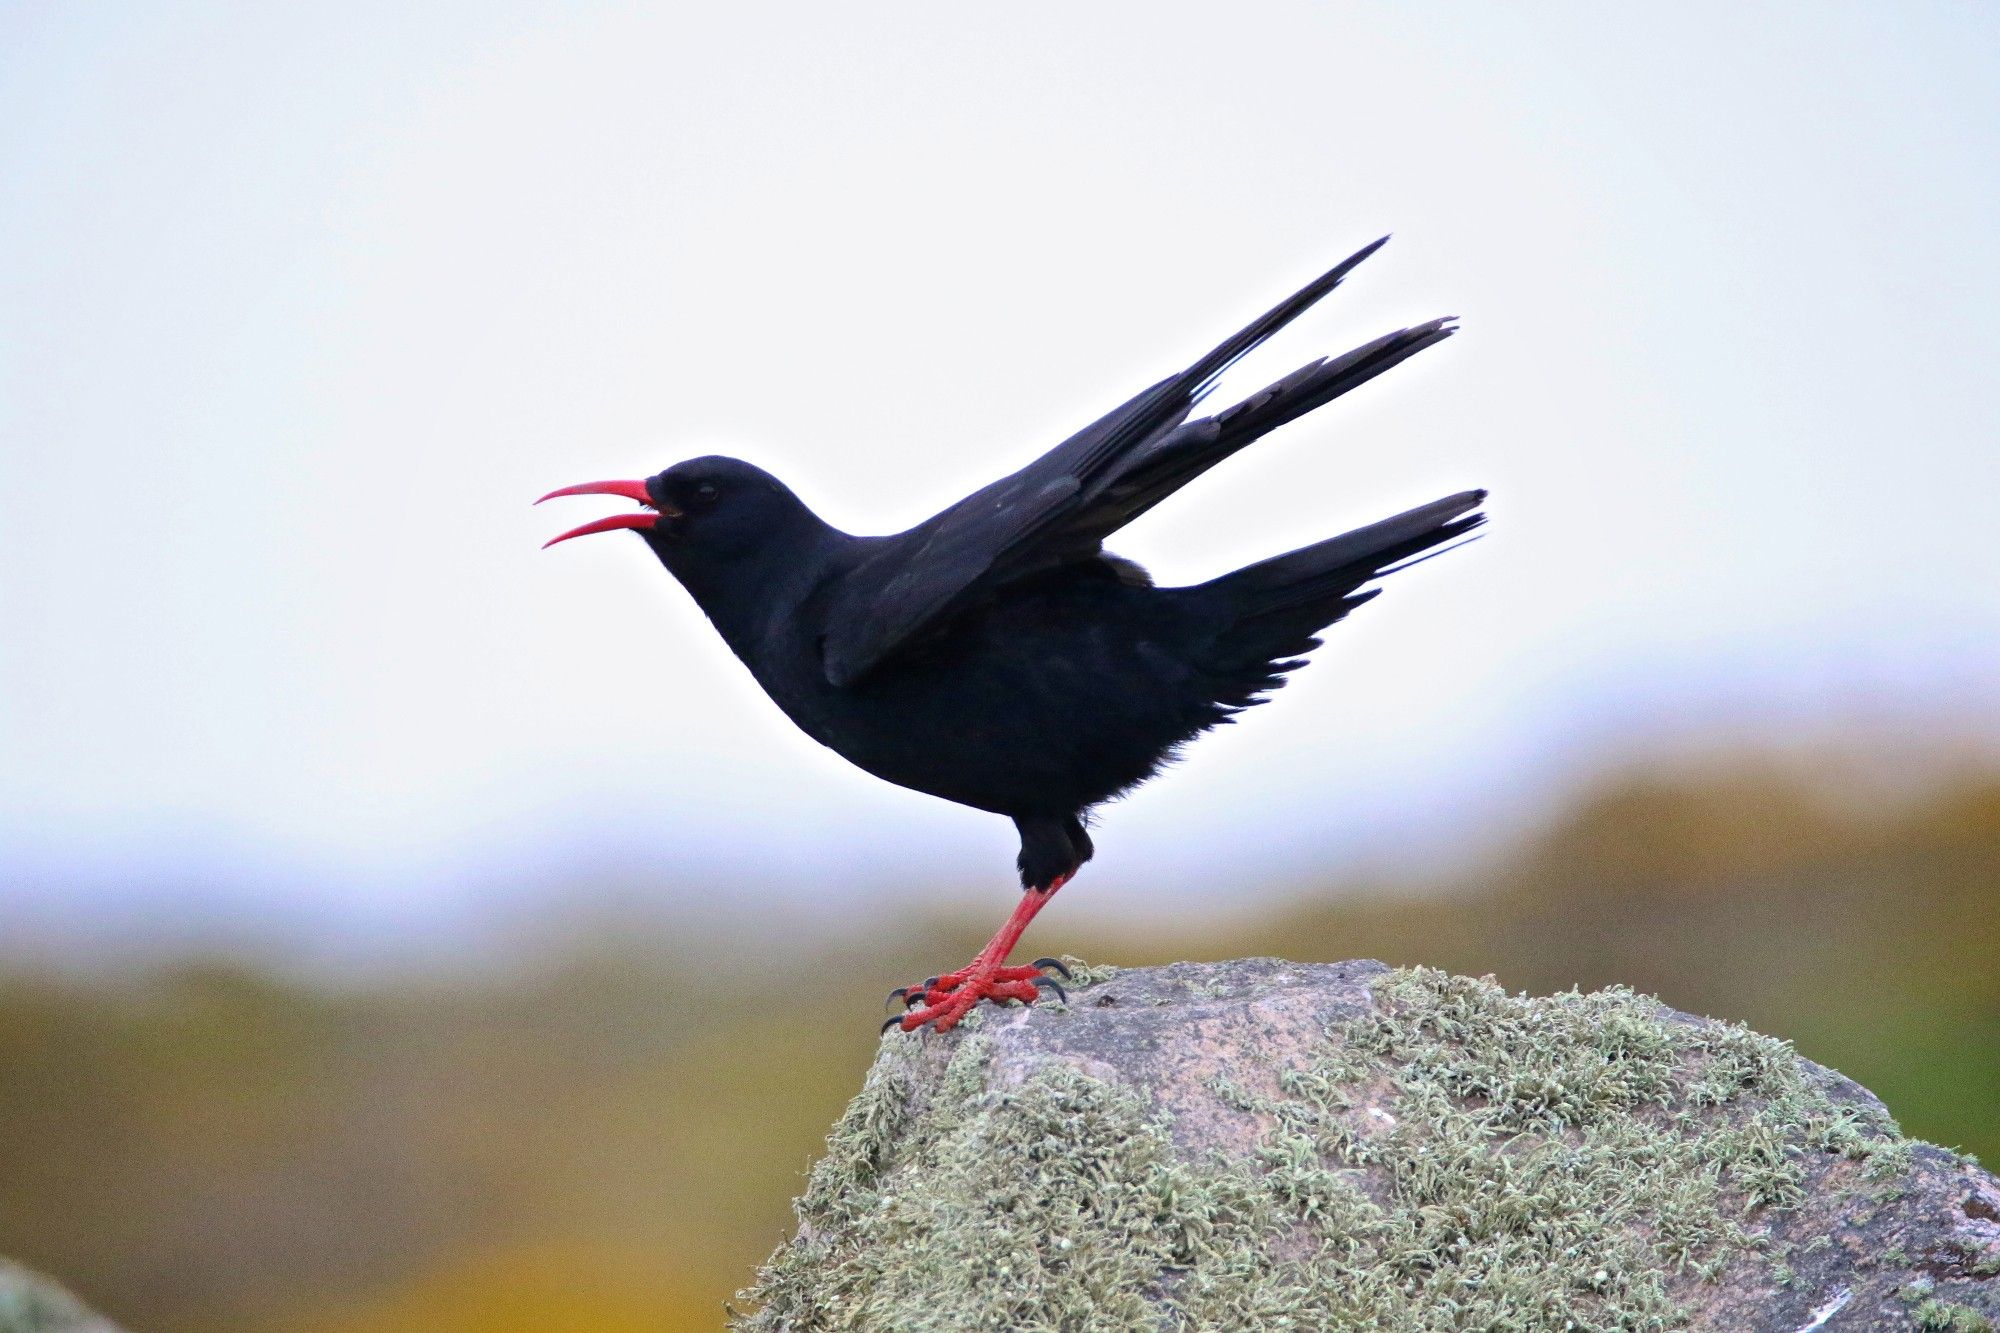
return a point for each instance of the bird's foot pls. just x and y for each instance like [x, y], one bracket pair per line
[943, 1000]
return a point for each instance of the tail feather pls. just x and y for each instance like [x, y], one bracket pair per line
[1346, 562]
[1271, 611]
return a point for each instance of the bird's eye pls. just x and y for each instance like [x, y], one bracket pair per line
[706, 492]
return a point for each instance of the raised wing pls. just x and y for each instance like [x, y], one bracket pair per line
[1061, 506]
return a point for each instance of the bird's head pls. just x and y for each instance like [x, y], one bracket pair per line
[705, 514]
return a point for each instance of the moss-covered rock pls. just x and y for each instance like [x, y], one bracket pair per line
[1268, 1145]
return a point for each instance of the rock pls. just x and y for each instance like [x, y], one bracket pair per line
[30, 1303]
[1268, 1145]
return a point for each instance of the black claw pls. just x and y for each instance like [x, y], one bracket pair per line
[1052, 984]
[1056, 963]
[893, 1020]
[900, 993]
[928, 985]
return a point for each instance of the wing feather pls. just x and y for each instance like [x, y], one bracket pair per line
[1061, 506]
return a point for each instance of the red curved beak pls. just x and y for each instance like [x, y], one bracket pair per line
[631, 490]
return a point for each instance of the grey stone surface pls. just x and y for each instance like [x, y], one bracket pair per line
[31, 1303]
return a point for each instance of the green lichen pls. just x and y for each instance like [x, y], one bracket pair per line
[1087, 974]
[1572, 1162]
[1937, 1315]
[1950, 1317]
[1054, 1201]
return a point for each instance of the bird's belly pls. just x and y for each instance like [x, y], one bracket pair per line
[1003, 765]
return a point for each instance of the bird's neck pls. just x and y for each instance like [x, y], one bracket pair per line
[750, 596]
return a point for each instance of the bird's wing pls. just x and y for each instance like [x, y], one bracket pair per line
[1058, 508]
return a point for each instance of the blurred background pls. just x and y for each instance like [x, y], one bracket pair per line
[402, 928]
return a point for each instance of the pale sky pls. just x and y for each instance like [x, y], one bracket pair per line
[301, 305]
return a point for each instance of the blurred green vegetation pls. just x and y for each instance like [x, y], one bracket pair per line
[607, 1141]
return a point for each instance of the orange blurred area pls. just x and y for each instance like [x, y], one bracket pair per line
[549, 1289]
[606, 1138]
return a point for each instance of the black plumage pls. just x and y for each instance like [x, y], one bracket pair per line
[995, 655]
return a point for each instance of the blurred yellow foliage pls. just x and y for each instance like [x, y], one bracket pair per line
[547, 1289]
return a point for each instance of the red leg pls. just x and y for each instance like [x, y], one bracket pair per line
[951, 997]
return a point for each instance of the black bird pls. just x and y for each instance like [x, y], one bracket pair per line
[996, 655]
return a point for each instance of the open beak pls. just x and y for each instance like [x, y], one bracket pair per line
[631, 490]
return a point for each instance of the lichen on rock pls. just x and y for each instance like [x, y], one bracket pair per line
[1263, 1145]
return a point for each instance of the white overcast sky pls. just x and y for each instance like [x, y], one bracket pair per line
[301, 305]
